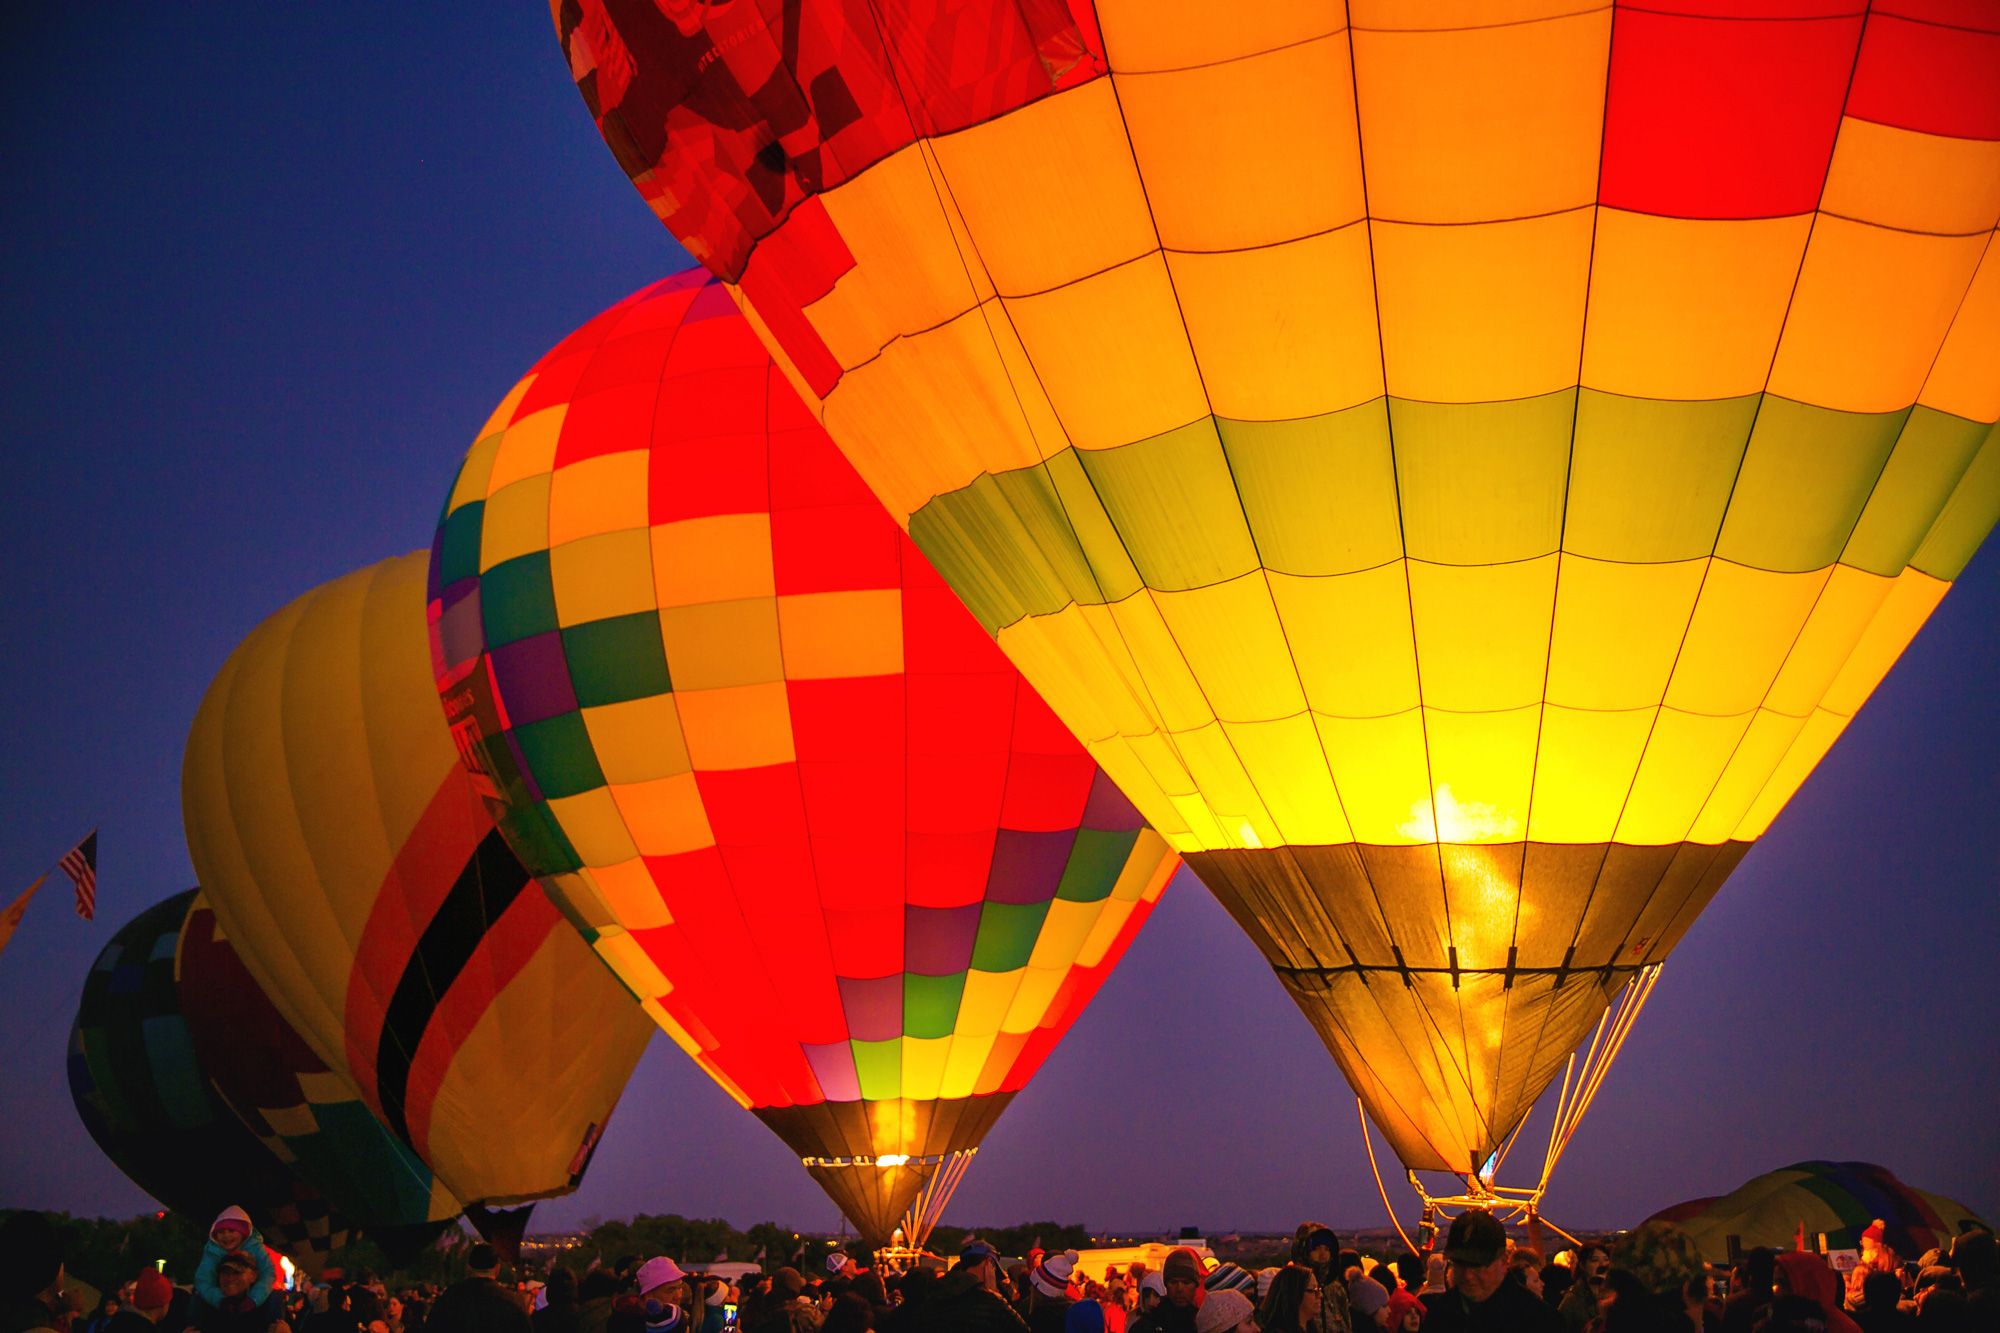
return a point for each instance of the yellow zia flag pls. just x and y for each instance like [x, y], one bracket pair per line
[15, 911]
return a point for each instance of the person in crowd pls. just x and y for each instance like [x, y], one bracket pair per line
[107, 1306]
[786, 1309]
[235, 1309]
[1368, 1301]
[1316, 1247]
[1180, 1278]
[1880, 1308]
[1580, 1305]
[1749, 1290]
[31, 1274]
[332, 1312]
[1409, 1271]
[1976, 1257]
[1086, 1316]
[152, 1296]
[967, 1298]
[1404, 1313]
[478, 1304]
[559, 1313]
[1292, 1302]
[1436, 1271]
[1556, 1281]
[1479, 1299]
[1226, 1311]
[366, 1307]
[231, 1233]
[849, 1313]
[1147, 1293]
[1876, 1252]
[663, 1301]
[1806, 1275]
[1047, 1298]
[1525, 1270]
[1671, 1278]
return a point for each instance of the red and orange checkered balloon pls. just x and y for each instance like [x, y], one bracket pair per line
[764, 758]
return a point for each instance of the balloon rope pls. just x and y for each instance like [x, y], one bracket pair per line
[1637, 991]
[1379, 1186]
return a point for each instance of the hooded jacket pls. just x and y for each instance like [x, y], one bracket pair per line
[262, 1283]
[1334, 1315]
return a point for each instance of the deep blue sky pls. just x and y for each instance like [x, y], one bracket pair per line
[267, 269]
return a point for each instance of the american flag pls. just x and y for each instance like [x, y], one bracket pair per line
[81, 866]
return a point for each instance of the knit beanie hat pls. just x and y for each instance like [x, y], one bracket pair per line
[1051, 1276]
[1229, 1277]
[1181, 1266]
[152, 1291]
[789, 1279]
[1222, 1311]
[1367, 1294]
[1155, 1283]
[1400, 1304]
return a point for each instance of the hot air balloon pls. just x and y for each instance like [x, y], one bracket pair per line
[309, 1117]
[1837, 1199]
[763, 758]
[148, 1103]
[355, 871]
[1459, 467]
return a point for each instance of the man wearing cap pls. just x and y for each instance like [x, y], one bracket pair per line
[1048, 1292]
[967, 1299]
[1478, 1299]
[478, 1304]
[31, 1274]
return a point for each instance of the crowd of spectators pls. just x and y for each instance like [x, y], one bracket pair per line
[1649, 1280]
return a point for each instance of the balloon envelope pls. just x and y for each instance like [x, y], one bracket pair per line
[308, 1116]
[359, 879]
[149, 1104]
[1840, 1199]
[1459, 472]
[764, 758]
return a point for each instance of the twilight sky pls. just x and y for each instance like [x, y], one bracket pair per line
[268, 269]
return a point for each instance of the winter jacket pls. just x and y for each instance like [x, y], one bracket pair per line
[261, 1286]
[960, 1304]
[235, 1315]
[477, 1305]
[1510, 1309]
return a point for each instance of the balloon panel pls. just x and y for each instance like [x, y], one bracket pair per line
[356, 872]
[148, 1102]
[760, 753]
[1460, 520]
[309, 1117]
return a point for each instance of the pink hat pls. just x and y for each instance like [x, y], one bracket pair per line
[657, 1273]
